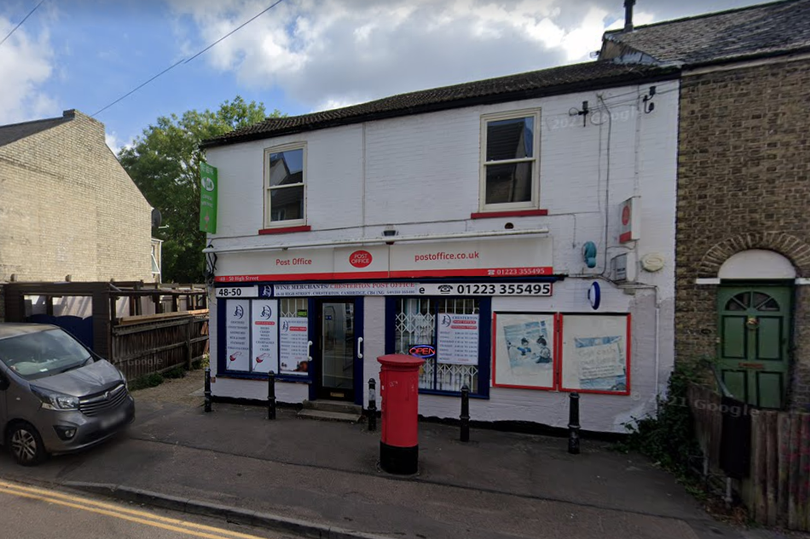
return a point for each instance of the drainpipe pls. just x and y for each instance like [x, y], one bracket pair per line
[628, 15]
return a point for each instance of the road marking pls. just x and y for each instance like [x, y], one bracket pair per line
[124, 513]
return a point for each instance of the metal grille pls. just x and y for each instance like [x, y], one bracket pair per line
[98, 404]
[289, 307]
[453, 377]
[416, 324]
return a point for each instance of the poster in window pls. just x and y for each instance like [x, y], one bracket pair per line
[237, 329]
[457, 339]
[293, 349]
[524, 350]
[264, 317]
[595, 353]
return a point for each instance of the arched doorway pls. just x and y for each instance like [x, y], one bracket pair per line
[754, 326]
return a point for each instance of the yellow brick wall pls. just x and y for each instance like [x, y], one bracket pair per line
[67, 207]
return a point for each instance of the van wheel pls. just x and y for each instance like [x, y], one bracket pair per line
[25, 444]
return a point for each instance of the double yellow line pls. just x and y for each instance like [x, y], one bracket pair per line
[120, 512]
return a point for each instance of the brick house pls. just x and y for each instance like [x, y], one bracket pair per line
[68, 210]
[743, 240]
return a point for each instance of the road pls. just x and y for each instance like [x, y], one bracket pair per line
[34, 512]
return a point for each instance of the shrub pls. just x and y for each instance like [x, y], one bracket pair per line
[668, 438]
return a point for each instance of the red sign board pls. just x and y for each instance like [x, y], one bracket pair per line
[360, 259]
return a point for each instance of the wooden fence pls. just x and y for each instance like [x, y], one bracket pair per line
[777, 487]
[139, 344]
[144, 345]
[708, 421]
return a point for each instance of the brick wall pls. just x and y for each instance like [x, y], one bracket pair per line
[69, 208]
[742, 184]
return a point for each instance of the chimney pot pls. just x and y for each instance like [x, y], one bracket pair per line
[628, 15]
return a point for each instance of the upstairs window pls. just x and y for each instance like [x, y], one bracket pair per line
[510, 168]
[284, 197]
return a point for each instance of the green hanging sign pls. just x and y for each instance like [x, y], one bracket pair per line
[208, 198]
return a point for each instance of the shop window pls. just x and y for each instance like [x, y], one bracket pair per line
[285, 179]
[265, 334]
[450, 328]
[510, 147]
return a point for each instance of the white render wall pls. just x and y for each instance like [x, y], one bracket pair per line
[421, 175]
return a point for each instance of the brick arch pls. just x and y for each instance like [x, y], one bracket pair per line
[795, 249]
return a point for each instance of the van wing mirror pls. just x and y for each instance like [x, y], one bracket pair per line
[3, 382]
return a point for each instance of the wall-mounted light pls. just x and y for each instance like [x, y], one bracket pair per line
[389, 233]
[581, 112]
[649, 106]
[210, 264]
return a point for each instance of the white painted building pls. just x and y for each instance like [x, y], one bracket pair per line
[456, 224]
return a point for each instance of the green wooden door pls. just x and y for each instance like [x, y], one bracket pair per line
[754, 333]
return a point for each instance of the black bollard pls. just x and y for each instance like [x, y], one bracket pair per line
[372, 404]
[207, 389]
[465, 413]
[271, 395]
[573, 423]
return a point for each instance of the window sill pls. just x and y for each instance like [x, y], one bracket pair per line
[513, 213]
[285, 229]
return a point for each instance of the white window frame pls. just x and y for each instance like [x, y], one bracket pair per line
[534, 203]
[268, 221]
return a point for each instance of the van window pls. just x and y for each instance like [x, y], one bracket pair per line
[36, 355]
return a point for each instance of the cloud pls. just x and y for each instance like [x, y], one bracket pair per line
[323, 53]
[26, 63]
[115, 143]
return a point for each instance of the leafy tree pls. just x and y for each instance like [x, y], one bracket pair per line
[164, 163]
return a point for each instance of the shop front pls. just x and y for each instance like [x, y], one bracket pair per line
[489, 314]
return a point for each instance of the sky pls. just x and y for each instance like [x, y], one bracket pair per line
[298, 57]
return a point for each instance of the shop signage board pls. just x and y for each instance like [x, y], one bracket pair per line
[412, 289]
[457, 339]
[294, 332]
[345, 289]
[264, 319]
[493, 257]
[208, 198]
[630, 220]
[237, 343]
[485, 289]
[496, 257]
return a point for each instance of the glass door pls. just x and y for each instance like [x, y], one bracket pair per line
[337, 347]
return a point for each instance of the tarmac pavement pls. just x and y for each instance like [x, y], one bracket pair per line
[324, 478]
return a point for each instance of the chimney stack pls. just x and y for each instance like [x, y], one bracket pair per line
[628, 15]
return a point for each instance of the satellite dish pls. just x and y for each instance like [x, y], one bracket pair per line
[156, 218]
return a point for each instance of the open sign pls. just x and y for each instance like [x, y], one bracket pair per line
[423, 351]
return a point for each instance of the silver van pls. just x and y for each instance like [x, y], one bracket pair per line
[56, 396]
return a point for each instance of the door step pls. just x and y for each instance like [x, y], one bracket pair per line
[331, 411]
[308, 413]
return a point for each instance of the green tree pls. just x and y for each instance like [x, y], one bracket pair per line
[164, 163]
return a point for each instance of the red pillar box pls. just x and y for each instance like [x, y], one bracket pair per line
[399, 389]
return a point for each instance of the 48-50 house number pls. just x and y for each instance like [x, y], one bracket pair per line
[235, 292]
